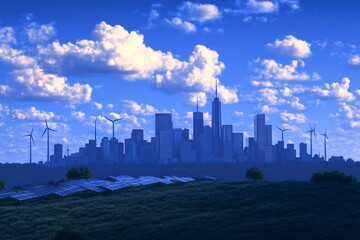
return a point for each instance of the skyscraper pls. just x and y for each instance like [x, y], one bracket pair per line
[198, 130]
[227, 143]
[164, 137]
[216, 126]
[263, 138]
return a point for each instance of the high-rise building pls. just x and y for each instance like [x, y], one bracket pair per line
[198, 126]
[164, 137]
[206, 147]
[303, 152]
[56, 159]
[216, 126]
[263, 138]
[238, 146]
[227, 142]
[137, 135]
[290, 152]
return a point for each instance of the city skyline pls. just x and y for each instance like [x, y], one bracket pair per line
[133, 60]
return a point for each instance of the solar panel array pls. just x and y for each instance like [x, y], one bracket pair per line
[94, 185]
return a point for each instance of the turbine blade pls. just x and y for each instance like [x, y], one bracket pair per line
[46, 123]
[108, 119]
[278, 127]
[117, 119]
[32, 139]
[32, 130]
[44, 133]
[52, 130]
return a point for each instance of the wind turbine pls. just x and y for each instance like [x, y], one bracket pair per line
[47, 129]
[113, 124]
[311, 132]
[31, 141]
[325, 138]
[282, 132]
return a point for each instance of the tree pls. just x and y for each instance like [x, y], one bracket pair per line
[2, 185]
[254, 174]
[334, 176]
[78, 173]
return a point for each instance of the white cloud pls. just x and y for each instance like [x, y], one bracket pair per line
[185, 26]
[293, 4]
[293, 117]
[354, 60]
[261, 84]
[7, 35]
[290, 46]
[40, 33]
[355, 124]
[254, 6]
[110, 106]
[271, 70]
[199, 12]
[139, 108]
[194, 97]
[97, 105]
[267, 109]
[124, 53]
[270, 96]
[31, 82]
[31, 113]
[295, 103]
[335, 90]
[238, 114]
[78, 115]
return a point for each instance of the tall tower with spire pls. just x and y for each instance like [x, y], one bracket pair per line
[216, 125]
[198, 129]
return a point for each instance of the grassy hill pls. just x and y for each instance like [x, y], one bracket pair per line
[196, 210]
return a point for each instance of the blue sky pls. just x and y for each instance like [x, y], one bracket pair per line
[70, 61]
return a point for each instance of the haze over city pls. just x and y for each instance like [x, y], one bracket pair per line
[296, 61]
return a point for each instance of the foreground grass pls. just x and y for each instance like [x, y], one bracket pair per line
[197, 210]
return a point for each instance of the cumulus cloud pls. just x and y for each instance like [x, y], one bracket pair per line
[199, 97]
[7, 35]
[97, 105]
[293, 117]
[335, 90]
[114, 50]
[290, 46]
[30, 81]
[199, 12]
[78, 115]
[40, 33]
[295, 103]
[268, 109]
[271, 70]
[354, 60]
[255, 6]
[185, 26]
[31, 113]
[139, 108]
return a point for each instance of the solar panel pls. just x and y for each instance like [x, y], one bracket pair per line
[115, 186]
[65, 191]
[6, 193]
[23, 196]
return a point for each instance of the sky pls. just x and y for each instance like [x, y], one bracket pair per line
[297, 61]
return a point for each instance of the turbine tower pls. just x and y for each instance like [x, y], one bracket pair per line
[311, 132]
[113, 124]
[282, 132]
[47, 129]
[31, 141]
[325, 138]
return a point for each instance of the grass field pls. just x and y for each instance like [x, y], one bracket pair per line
[196, 210]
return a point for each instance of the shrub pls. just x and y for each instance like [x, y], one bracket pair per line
[79, 173]
[67, 234]
[2, 185]
[52, 182]
[334, 176]
[254, 174]
[17, 188]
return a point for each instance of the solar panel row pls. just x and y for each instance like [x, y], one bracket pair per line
[95, 185]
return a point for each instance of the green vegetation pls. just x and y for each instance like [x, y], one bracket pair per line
[52, 182]
[196, 210]
[254, 174]
[78, 173]
[2, 185]
[334, 176]
[17, 188]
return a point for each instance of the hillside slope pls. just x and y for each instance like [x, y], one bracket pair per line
[196, 210]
